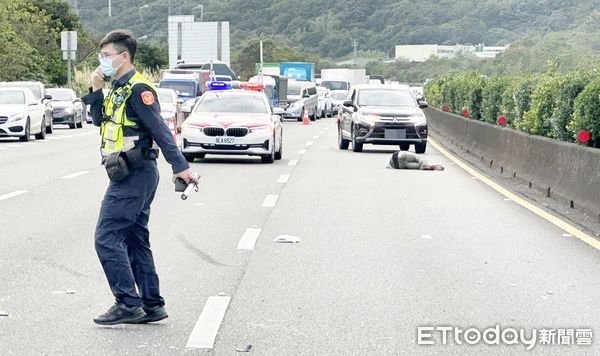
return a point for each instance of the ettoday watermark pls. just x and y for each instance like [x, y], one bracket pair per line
[497, 335]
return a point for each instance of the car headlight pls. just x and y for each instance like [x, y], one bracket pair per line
[369, 119]
[296, 104]
[418, 120]
[266, 129]
[16, 117]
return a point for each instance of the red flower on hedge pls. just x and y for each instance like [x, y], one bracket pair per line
[502, 120]
[583, 136]
[465, 113]
[446, 108]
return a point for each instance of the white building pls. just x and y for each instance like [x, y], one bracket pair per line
[421, 53]
[197, 42]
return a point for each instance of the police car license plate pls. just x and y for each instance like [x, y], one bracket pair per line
[225, 140]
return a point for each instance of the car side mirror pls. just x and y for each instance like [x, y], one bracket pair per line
[348, 103]
[47, 96]
[306, 95]
[423, 104]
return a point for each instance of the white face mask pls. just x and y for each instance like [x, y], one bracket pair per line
[106, 66]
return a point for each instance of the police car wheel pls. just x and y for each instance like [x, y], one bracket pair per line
[404, 146]
[279, 153]
[189, 157]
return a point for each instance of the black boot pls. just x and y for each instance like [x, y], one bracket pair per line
[156, 313]
[120, 314]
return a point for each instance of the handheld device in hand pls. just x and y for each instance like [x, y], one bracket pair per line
[186, 189]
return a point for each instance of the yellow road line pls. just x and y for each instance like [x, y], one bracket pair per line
[575, 232]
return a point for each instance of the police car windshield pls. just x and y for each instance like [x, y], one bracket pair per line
[60, 94]
[232, 102]
[12, 97]
[385, 97]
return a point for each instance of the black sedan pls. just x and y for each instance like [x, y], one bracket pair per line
[382, 115]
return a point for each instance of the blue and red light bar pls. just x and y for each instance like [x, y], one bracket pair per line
[219, 85]
[252, 86]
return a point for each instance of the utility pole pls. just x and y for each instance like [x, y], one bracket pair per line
[355, 44]
[109, 8]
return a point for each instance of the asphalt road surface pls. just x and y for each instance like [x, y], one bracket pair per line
[381, 252]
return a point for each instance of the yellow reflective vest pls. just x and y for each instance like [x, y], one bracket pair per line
[117, 131]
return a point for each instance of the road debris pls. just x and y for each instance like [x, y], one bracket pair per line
[245, 349]
[287, 239]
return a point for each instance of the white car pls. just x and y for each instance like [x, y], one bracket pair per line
[21, 114]
[170, 107]
[337, 98]
[325, 102]
[233, 122]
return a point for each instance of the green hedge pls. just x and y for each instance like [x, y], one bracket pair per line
[556, 105]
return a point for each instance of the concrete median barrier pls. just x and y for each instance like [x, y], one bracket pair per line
[563, 170]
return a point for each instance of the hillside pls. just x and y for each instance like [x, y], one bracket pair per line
[327, 28]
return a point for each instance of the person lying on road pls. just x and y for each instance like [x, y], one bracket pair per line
[407, 160]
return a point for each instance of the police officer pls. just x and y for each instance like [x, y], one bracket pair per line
[130, 122]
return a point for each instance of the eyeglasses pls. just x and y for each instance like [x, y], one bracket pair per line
[107, 55]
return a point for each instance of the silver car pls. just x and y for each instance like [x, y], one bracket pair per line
[302, 96]
[67, 108]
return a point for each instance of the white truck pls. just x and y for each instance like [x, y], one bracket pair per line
[343, 78]
[197, 42]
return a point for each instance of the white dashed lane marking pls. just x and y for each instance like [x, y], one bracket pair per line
[270, 201]
[283, 178]
[293, 162]
[75, 175]
[301, 152]
[249, 238]
[309, 143]
[205, 331]
[12, 195]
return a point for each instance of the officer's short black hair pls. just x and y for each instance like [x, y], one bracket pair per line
[123, 40]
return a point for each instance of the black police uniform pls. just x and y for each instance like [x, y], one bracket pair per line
[122, 236]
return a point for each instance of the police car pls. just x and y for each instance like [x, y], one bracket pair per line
[228, 121]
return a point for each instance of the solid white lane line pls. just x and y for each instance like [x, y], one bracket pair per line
[205, 331]
[270, 201]
[293, 162]
[309, 143]
[75, 175]
[301, 152]
[283, 178]
[12, 195]
[249, 238]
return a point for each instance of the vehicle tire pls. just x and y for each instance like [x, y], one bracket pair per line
[80, 124]
[420, 147]
[356, 146]
[270, 158]
[42, 134]
[279, 153]
[73, 125]
[342, 142]
[201, 155]
[50, 129]
[189, 157]
[404, 146]
[27, 136]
